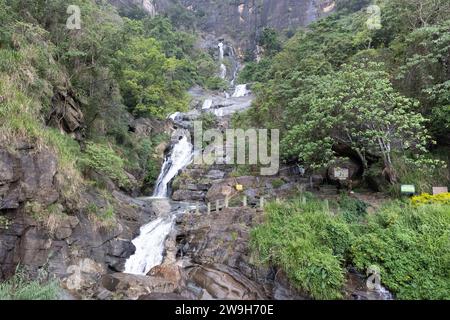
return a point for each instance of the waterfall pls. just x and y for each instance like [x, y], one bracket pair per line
[220, 51]
[236, 65]
[150, 242]
[174, 116]
[240, 91]
[207, 104]
[149, 246]
[223, 68]
[180, 157]
[223, 71]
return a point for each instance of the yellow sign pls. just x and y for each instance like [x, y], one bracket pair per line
[239, 187]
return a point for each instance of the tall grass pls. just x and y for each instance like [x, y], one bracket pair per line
[21, 287]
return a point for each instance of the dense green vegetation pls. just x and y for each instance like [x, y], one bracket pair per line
[113, 68]
[409, 244]
[377, 95]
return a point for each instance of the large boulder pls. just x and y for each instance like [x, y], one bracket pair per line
[133, 286]
[84, 274]
[188, 195]
[222, 282]
[344, 171]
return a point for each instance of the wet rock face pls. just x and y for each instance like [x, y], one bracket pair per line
[243, 20]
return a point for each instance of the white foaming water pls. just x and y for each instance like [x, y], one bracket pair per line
[174, 116]
[223, 68]
[149, 246]
[207, 104]
[385, 294]
[220, 51]
[150, 242]
[240, 91]
[180, 157]
[223, 71]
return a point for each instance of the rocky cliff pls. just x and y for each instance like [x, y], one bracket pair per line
[240, 21]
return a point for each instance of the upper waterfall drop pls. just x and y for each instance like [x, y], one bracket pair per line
[221, 52]
[179, 158]
[223, 68]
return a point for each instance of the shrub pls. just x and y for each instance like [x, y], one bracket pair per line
[425, 198]
[216, 83]
[277, 183]
[308, 243]
[424, 175]
[411, 245]
[102, 218]
[104, 160]
[352, 210]
[4, 223]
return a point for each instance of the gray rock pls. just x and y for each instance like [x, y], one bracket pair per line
[188, 195]
[215, 174]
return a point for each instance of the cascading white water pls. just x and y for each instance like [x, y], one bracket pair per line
[150, 242]
[221, 51]
[223, 68]
[174, 116]
[180, 157]
[240, 91]
[207, 104]
[149, 246]
[223, 71]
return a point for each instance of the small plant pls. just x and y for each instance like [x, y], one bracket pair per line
[277, 183]
[102, 218]
[50, 218]
[5, 223]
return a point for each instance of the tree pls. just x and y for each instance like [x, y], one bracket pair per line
[269, 41]
[149, 79]
[358, 108]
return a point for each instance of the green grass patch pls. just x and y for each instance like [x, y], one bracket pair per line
[22, 287]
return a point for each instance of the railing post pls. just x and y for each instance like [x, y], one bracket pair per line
[209, 207]
[244, 201]
[227, 201]
[261, 202]
[217, 205]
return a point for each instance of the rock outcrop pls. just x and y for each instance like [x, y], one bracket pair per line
[240, 21]
[42, 230]
[66, 113]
